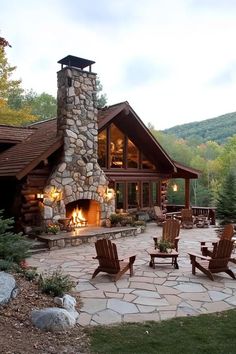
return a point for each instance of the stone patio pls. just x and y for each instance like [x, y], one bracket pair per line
[151, 294]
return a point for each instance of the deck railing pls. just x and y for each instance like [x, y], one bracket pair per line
[197, 210]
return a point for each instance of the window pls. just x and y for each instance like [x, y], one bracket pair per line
[146, 164]
[102, 148]
[155, 195]
[120, 195]
[133, 194]
[117, 147]
[132, 155]
[146, 195]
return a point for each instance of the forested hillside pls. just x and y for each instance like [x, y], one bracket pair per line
[215, 129]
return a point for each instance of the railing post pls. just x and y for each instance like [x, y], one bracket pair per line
[187, 193]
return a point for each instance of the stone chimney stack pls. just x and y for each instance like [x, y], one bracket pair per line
[77, 113]
[78, 175]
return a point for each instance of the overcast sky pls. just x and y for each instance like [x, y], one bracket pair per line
[174, 61]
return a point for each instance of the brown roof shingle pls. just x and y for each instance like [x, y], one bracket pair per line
[14, 134]
[21, 158]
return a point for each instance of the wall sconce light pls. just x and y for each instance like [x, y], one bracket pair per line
[40, 197]
[55, 195]
[109, 194]
[175, 187]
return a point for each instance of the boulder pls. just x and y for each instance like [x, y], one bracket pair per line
[52, 319]
[8, 288]
[68, 302]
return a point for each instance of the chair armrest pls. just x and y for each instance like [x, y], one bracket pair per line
[196, 255]
[126, 256]
[209, 241]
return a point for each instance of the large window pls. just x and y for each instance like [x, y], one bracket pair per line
[102, 148]
[155, 194]
[133, 195]
[116, 150]
[120, 195]
[117, 147]
[132, 155]
[146, 164]
[146, 194]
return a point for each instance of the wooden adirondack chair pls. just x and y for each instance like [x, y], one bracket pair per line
[160, 216]
[187, 219]
[108, 260]
[217, 263]
[227, 234]
[170, 233]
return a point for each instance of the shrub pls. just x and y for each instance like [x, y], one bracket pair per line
[6, 265]
[30, 274]
[53, 229]
[13, 247]
[55, 284]
[115, 218]
[139, 223]
[126, 220]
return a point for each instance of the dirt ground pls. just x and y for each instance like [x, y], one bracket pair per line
[18, 335]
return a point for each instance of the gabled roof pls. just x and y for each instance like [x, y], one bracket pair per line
[39, 140]
[129, 122]
[185, 171]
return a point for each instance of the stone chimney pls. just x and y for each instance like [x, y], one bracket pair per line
[78, 176]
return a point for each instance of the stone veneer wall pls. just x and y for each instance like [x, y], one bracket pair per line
[78, 175]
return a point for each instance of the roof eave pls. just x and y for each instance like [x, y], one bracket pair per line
[55, 146]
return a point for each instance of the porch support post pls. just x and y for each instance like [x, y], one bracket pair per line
[187, 193]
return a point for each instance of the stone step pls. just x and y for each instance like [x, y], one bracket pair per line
[38, 246]
[87, 235]
[38, 250]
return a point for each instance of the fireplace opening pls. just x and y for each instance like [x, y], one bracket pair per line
[83, 212]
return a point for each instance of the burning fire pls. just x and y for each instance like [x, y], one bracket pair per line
[77, 218]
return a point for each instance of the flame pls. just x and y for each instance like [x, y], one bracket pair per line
[77, 218]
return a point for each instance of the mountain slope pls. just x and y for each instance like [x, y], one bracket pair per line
[217, 129]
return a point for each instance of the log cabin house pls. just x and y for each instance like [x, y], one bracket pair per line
[97, 161]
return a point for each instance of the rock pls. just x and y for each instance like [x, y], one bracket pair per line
[52, 319]
[69, 304]
[8, 288]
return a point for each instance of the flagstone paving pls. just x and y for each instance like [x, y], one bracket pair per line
[151, 294]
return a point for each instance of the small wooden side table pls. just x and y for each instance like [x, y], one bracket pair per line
[155, 253]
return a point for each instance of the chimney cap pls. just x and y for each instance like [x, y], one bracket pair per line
[76, 62]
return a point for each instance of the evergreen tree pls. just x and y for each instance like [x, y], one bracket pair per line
[13, 247]
[100, 97]
[10, 87]
[7, 85]
[226, 202]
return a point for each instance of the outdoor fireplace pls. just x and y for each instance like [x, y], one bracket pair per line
[83, 212]
[79, 178]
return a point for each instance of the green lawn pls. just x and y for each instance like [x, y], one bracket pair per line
[213, 334]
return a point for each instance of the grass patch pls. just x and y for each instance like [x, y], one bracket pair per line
[208, 334]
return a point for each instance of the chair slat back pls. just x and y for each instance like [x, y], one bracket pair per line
[171, 229]
[158, 211]
[107, 254]
[228, 232]
[221, 254]
[186, 215]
